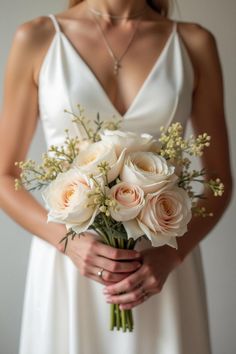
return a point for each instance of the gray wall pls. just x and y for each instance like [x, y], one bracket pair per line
[218, 248]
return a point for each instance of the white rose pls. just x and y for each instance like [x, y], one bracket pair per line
[88, 159]
[129, 199]
[165, 216]
[67, 198]
[148, 170]
[129, 140]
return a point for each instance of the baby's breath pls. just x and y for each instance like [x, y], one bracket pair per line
[59, 158]
[201, 211]
[179, 151]
[174, 145]
[216, 186]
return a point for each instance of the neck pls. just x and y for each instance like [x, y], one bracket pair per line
[121, 8]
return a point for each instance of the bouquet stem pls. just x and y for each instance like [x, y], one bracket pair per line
[119, 319]
[122, 318]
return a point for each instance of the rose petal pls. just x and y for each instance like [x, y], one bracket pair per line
[114, 172]
[125, 208]
[132, 228]
[148, 170]
[165, 216]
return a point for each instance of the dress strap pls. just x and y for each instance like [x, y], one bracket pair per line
[55, 23]
[174, 28]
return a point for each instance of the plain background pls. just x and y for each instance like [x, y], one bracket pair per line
[218, 248]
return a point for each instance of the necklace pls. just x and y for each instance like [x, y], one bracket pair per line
[116, 17]
[117, 60]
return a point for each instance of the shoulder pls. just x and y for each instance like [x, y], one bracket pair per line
[201, 45]
[30, 42]
[200, 37]
[200, 41]
[32, 33]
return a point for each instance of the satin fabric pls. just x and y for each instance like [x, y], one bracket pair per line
[66, 313]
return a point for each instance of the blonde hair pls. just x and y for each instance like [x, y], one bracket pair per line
[161, 6]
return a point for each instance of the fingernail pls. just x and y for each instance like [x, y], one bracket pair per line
[105, 291]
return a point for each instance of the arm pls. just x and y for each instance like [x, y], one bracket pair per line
[207, 116]
[17, 126]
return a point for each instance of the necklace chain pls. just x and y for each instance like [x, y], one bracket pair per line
[117, 60]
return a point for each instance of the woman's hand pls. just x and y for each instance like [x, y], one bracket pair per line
[148, 280]
[91, 256]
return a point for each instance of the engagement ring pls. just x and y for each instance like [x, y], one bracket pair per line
[100, 273]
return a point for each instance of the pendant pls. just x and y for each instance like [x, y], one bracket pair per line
[117, 66]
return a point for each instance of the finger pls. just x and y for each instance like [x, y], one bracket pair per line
[116, 266]
[152, 284]
[107, 276]
[134, 303]
[127, 284]
[133, 296]
[92, 272]
[116, 253]
[98, 279]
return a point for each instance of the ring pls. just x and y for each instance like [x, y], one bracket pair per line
[99, 273]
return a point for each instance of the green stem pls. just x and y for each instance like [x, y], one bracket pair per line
[37, 187]
[117, 317]
[78, 120]
[62, 154]
[123, 320]
[122, 245]
[129, 320]
[112, 317]
[103, 235]
[33, 170]
[112, 241]
[106, 178]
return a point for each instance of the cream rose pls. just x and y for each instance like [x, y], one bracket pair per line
[129, 140]
[165, 216]
[129, 199]
[67, 198]
[88, 159]
[148, 170]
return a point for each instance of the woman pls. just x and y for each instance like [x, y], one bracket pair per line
[149, 71]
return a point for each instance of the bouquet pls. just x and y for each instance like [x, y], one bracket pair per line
[121, 184]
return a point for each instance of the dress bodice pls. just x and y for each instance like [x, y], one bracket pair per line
[66, 80]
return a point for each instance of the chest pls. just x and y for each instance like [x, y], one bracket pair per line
[66, 79]
[133, 48]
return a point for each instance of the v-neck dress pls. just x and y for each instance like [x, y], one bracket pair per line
[66, 313]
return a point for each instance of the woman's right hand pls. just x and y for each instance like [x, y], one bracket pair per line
[90, 256]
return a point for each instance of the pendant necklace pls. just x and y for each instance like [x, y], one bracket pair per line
[116, 60]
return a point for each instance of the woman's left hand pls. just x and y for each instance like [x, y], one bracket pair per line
[157, 263]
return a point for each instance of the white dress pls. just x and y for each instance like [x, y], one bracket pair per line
[66, 313]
